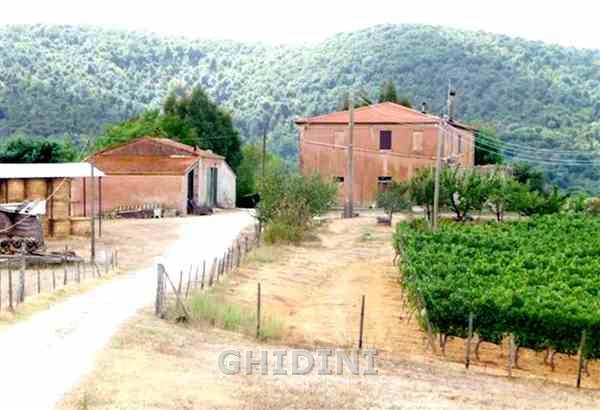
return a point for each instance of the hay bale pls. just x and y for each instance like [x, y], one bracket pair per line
[15, 190]
[61, 190]
[61, 228]
[60, 209]
[36, 189]
[81, 227]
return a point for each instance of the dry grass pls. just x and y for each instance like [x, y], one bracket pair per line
[314, 290]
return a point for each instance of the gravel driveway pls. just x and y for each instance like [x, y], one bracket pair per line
[44, 357]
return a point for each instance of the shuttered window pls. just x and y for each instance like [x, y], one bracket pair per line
[385, 139]
[417, 141]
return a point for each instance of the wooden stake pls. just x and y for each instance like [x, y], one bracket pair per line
[511, 342]
[10, 289]
[21, 295]
[203, 273]
[581, 358]
[177, 296]
[258, 297]
[362, 323]
[159, 288]
[469, 338]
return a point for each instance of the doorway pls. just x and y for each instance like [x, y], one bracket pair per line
[191, 178]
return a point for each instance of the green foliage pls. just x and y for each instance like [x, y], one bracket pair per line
[75, 80]
[289, 202]
[529, 202]
[465, 190]
[525, 173]
[249, 173]
[501, 194]
[192, 119]
[488, 151]
[536, 279]
[394, 199]
[421, 189]
[34, 150]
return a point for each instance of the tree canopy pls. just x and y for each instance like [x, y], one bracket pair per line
[190, 118]
[57, 80]
[24, 149]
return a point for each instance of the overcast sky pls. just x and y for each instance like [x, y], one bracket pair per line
[571, 23]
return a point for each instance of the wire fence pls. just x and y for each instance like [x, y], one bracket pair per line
[202, 275]
[23, 277]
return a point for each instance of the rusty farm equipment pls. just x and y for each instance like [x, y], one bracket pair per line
[21, 231]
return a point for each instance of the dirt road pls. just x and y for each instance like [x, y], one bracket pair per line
[46, 356]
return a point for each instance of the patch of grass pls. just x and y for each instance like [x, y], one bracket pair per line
[265, 254]
[232, 317]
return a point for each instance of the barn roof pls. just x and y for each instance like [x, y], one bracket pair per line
[145, 164]
[60, 170]
[158, 143]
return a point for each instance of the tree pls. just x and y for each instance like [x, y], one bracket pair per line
[389, 93]
[421, 190]
[502, 190]
[249, 174]
[488, 147]
[465, 190]
[526, 174]
[394, 199]
[191, 119]
[25, 149]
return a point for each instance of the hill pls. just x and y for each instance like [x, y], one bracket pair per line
[74, 80]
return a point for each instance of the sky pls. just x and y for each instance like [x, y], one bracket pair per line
[569, 23]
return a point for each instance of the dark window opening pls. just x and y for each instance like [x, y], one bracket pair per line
[384, 183]
[385, 139]
[338, 179]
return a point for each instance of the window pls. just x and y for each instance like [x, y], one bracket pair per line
[417, 141]
[339, 180]
[385, 139]
[460, 144]
[384, 183]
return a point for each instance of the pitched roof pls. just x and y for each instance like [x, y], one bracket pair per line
[165, 142]
[382, 113]
[145, 164]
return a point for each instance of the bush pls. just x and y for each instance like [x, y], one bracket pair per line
[394, 199]
[290, 201]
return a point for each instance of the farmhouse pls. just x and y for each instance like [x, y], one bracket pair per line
[390, 142]
[159, 171]
[50, 186]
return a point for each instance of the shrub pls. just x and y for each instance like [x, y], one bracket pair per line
[394, 199]
[290, 201]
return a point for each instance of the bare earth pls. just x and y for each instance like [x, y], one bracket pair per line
[315, 290]
[45, 356]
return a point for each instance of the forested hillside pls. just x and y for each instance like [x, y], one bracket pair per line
[57, 80]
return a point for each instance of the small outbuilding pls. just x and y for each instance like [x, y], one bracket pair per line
[49, 185]
[159, 171]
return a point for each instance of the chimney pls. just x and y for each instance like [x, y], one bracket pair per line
[451, 103]
[424, 107]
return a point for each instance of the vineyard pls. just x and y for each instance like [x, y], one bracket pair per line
[537, 280]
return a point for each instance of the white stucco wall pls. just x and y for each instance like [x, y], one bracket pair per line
[227, 186]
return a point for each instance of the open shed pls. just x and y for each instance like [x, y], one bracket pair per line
[49, 183]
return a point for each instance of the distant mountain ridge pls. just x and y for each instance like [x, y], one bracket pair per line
[65, 79]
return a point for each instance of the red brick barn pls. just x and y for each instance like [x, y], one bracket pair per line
[390, 143]
[158, 171]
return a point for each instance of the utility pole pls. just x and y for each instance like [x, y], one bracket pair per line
[93, 215]
[264, 156]
[438, 166]
[349, 205]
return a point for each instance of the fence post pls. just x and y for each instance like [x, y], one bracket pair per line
[258, 297]
[197, 276]
[581, 357]
[187, 288]
[53, 278]
[203, 273]
[511, 342]
[212, 272]
[180, 281]
[10, 289]
[158, 306]
[66, 273]
[78, 272]
[469, 338]
[39, 280]
[21, 296]
[177, 296]
[362, 323]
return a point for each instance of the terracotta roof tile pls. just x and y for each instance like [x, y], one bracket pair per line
[144, 164]
[162, 141]
[382, 113]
